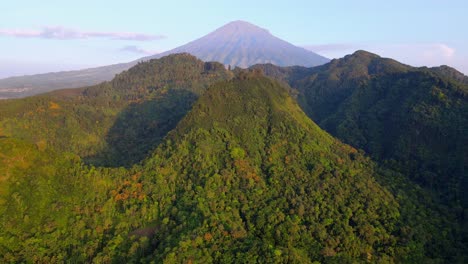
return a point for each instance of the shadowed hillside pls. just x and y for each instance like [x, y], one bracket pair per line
[90, 122]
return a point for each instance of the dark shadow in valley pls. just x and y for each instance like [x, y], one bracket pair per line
[140, 128]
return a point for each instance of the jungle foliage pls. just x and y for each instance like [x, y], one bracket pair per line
[177, 160]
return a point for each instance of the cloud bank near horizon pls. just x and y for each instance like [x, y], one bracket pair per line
[63, 33]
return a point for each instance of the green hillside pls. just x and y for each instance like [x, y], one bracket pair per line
[245, 176]
[411, 119]
[117, 122]
[415, 118]
[252, 164]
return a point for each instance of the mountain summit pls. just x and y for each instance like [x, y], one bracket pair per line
[240, 28]
[243, 44]
[237, 43]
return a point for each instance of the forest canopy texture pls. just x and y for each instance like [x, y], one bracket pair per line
[177, 160]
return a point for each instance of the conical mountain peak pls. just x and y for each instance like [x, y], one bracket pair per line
[242, 44]
[240, 27]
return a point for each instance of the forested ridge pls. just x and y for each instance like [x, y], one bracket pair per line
[144, 102]
[411, 119]
[180, 161]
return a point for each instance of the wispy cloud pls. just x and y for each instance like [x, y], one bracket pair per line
[63, 33]
[138, 50]
[434, 51]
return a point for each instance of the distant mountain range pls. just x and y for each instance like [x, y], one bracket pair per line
[237, 43]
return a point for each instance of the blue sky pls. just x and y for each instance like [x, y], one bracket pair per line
[49, 35]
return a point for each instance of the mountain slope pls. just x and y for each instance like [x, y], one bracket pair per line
[242, 44]
[451, 73]
[116, 122]
[413, 118]
[249, 169]
[245, 176]
[238, 44]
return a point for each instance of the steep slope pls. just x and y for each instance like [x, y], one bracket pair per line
[238, 43]
[450, 73]
[117, 122]
[244, 177]
[334, 81]
[260, 181]
[412, 118]
[242, 171]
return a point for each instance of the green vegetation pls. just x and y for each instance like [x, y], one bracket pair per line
[105, 124]
[410, 119]
[232, 170]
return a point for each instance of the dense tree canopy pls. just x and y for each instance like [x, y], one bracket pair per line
[410, 119]
[232, 169]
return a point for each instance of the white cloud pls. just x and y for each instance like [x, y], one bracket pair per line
[435, 51]
[63, 33]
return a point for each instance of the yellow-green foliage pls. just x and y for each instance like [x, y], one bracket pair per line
[245, 176]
